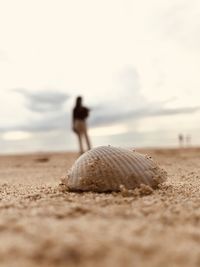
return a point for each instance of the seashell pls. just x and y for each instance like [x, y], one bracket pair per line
[107, 168]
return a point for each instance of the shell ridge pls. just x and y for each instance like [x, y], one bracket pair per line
[76, 178]
[127, 166]
[119, 161]
[82, 168]
[72, 174]
[102, 168]
[116, 170]
[142, 168]
[122, 163]
[76, 170]
[134, 167]
[152, 170]
[130, 171]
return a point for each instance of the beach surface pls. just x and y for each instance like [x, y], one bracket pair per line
[43, 225]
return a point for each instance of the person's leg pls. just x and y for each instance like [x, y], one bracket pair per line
[78, 129]
[87, 140]
[80, 143]
[85, 134]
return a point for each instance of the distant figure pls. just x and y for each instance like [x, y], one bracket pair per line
[188, 140]
[80, 114]
[181, 140]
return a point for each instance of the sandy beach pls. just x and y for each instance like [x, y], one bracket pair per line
[41, 225]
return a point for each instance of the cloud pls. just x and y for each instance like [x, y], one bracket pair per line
[46, 123]
[128, 105]
[103, 117]
[132, 105]
[43, 101]
[47, 112]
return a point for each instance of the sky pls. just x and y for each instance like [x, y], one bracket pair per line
[136, 64]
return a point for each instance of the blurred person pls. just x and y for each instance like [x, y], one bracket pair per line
[79, 125]
[181, 140]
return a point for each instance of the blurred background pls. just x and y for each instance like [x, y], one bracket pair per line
[136, 64]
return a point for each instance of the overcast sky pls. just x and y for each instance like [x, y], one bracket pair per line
[135, 62]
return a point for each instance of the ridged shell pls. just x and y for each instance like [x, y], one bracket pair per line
[106, 168]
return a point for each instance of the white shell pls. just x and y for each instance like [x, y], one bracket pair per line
[106, 168]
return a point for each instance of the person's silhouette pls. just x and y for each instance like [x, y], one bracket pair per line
[79, 126]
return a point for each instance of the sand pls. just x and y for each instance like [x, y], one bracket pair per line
[42, 226]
